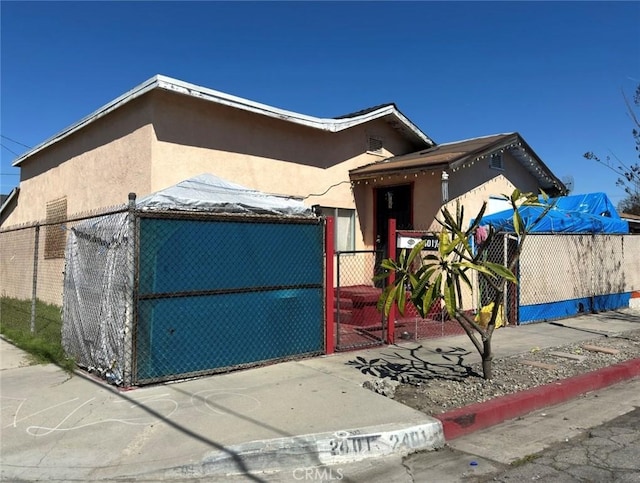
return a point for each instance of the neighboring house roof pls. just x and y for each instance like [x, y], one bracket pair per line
[633, 220]
[454, 155]
[7, 200]
[388, 112]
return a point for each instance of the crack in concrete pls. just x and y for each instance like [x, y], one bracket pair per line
[408, 470]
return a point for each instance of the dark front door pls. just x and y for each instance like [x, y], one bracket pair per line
[392, 202]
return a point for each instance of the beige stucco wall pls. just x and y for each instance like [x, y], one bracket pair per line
[476, 173]
[266, 154]
[475, 183]
[94, 168]
[263, 153]
[426, 199]
[470, 186]
[163, 138]
[473, 199]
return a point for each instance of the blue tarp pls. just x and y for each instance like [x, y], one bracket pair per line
[588, 213]
[591, 213]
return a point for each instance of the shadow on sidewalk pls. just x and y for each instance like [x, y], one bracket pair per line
[237, 458]
[407, 365]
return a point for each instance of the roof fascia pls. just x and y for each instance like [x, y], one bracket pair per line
[498, 144]
[192, 90]
[386, 166]
[559, 184]
[477, 138]
[515, 138]
[390, 171]
[134, 93]
[325, 124]
[12, 195]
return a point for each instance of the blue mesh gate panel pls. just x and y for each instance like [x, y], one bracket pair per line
[217, 294]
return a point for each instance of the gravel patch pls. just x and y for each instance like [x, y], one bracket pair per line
[516, 373]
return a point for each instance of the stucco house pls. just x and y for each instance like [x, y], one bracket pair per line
[413, 187]
[165, 130]
[362, 167]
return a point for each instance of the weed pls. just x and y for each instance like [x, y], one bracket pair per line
[45, 343]
[525, 459]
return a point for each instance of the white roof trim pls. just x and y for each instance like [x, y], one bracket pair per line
[479, 137]
[169, 84]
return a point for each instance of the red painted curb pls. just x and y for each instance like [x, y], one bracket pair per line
[477, 416]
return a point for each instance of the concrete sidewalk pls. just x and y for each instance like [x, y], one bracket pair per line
[295, 414]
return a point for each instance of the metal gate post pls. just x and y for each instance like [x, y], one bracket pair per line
[129, 349]
[391, 252]
[329, 343]
[505, 262]
[34, 285]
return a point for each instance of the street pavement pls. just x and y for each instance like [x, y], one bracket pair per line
[283, 422]
[593, 438]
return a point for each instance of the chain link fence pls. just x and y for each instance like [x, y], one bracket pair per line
[221, 292]
[153, 297]
[562, 275]
[559, 276]
[98, 295]
[410, 326]
[358, 322]
[32, 265]
[502, 249]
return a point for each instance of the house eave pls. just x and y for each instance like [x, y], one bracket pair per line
[528, 158]
[393, 171]
[388, 112]
[522, 153]
[419, 162]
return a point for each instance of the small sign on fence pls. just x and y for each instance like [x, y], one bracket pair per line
[408, 240]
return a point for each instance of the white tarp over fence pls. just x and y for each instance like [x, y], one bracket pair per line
[98, 291]
[210, 194]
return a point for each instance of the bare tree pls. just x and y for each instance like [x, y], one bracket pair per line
[628, 174]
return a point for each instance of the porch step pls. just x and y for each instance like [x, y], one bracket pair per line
[344, 316]
[342, 303]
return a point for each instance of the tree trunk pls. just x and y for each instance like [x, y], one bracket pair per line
[487, 359]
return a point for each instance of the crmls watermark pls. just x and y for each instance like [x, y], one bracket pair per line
[318, 474]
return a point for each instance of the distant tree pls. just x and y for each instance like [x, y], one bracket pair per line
[629, 174]
[425, 279]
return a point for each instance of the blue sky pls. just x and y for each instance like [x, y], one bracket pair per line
[553, 71]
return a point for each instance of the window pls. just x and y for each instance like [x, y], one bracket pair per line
[496, 161]
[374, 145]
[345, 229]
[55, 234]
